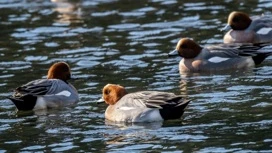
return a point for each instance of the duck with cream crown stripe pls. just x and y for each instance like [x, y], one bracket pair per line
[218, 57]
[142, 106]
[52, 92]
[243, 29]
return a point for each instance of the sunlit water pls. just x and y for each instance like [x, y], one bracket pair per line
[126, 42]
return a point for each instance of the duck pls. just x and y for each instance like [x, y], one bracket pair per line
[244, 29]
[217, 57]
[52, 92]
[141, 106]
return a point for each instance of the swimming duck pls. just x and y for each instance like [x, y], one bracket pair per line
[243, 29]
[217, 57]
[142, 106]
[52, 92]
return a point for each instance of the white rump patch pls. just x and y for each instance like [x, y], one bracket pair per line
[217, 59]
[264, 31]
[40, 104]
[64, 93]
[126, 108]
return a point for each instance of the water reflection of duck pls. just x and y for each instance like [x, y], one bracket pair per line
[142, 106]
[126, 125]
[52, 92]
[69, 12]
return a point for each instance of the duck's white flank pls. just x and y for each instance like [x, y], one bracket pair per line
[153, 115]
[40, 104]
[217, 59]
[64, 93]
[126, 108]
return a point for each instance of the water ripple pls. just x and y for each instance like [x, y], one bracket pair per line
[113, 41]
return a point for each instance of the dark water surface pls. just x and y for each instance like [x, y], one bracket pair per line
[126, 42]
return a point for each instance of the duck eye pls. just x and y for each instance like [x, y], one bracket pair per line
[107, 92]
[183, 46]
[236, 19]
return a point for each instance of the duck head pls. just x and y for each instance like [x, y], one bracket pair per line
[186, 48]
[59, 70]
[237, 21]
[112, 93]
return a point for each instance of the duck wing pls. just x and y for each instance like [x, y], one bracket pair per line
[152, 99]
[238, 49]
[36, 87]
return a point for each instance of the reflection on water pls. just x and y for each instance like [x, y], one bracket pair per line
[123, 126]
[69, 12]
[126, 42]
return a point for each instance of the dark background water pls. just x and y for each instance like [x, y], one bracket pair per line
[126, 42]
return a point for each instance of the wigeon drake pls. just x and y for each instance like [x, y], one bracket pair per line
[244, 29]
[217, 57]
[52, 92]
[142, 106]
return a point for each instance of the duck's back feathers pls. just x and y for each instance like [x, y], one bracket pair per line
[149, 99]
[240, 50]
[36, 87]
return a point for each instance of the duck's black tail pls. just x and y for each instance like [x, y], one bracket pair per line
[175, 108]
[256, 51]
[260, 57]
[26, 102]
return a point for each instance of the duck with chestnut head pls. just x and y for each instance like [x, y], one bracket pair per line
[244, 29]
[54, 91]
[196, 58]
[142, 106]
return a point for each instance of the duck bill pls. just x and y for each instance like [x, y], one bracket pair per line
[226, 28]
[173, 53]
[100, 101]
